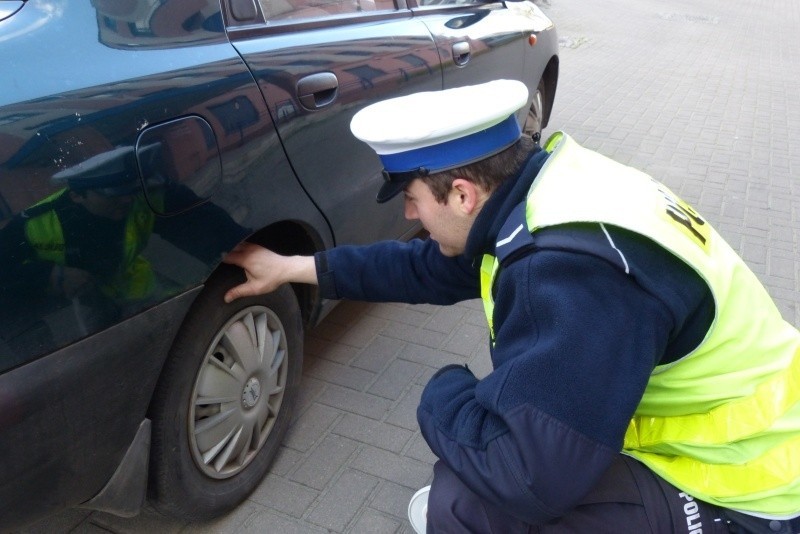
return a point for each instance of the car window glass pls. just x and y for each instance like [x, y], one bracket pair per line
[425, 3]
[9, 7]
[312, 9]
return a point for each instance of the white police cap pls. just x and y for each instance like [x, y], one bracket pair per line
[114, 172]
[430, 132]
[110, 170]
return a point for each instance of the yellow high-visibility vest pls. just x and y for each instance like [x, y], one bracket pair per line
[723, 422]
[134, 279]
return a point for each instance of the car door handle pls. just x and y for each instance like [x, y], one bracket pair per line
[317, 90]
[461, 53]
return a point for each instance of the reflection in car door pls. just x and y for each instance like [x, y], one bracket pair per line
[315, 75]
[477, 41]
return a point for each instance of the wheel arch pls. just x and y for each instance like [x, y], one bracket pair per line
[289, 238]
[550, 78]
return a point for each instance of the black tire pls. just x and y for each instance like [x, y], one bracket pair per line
[535, 119]
[212, 382]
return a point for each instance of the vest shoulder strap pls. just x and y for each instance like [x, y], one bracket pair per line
[515, 241]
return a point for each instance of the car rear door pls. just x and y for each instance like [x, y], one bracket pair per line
[319, 62]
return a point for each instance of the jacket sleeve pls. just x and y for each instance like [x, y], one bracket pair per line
[393, 271]
[576, 342]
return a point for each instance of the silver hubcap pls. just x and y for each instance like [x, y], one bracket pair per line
[533, 122]
[251, 393]
[238, 392]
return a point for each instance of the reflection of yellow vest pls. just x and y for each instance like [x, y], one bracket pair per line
[134, 277]
[723, 422]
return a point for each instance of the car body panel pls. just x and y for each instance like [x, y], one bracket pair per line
[210, 116]
[282, 62]
[97, 391]
[492, 41]
[485, 44]
[68, 418]
[117, 108]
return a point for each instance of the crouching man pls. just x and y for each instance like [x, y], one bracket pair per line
[643, 380]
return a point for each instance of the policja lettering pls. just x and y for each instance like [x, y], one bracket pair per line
[692, 512]
[682, 213]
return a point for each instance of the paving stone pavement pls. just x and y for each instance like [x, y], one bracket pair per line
[702, 94]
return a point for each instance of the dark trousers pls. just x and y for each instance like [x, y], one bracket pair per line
[629, 499]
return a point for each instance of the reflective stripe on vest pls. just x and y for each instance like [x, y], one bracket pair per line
[723, 422]
[489, 266]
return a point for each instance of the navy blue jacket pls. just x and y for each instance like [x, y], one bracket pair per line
[576, 340]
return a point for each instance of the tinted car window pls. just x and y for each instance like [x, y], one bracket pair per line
[310, 9]
[8, 7]
[425, 3]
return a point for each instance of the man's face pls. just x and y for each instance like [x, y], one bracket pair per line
[446, 223]
[115, 208]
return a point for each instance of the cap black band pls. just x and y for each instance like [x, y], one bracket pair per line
[402, 177]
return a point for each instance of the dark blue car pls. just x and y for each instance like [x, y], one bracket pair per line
[141, 140]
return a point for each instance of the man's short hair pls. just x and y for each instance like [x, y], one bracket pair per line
[487, 173]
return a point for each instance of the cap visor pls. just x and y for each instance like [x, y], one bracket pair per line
[389, 190]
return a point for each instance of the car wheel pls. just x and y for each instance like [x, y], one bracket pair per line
[224, 399]
[535, 118]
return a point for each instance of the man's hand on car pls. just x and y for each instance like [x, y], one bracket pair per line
[266, 270]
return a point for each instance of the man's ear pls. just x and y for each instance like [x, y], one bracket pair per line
[466, 196]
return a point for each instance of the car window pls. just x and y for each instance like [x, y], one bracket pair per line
[9, 7]
[310, 9]
[426, 3]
